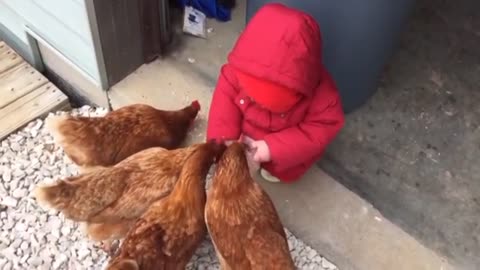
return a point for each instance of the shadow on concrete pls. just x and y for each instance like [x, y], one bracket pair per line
[413, 150]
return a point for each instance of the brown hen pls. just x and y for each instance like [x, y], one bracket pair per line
[110, 199]
[166, 236]
[242, 220]
[105, 141]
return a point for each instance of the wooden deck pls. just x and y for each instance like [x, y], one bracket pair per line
[25, 94]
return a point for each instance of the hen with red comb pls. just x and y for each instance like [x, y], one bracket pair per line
[196, 105]
[105, 141]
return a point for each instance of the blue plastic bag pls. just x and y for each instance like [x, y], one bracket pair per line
[211, 8]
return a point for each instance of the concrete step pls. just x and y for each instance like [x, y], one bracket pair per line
[345, 228]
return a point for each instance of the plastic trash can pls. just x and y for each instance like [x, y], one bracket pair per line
[358, 39]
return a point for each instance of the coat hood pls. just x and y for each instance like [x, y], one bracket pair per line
[282, 45]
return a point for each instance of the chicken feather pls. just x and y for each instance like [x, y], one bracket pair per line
[105, 141]
[109, 199]
[242, 221]
[166, 236]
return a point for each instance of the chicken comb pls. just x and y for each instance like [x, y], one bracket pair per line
[196, 105]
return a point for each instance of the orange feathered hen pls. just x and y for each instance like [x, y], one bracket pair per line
[110, 199]
[105, 141]
[242, 220]
[166, 236]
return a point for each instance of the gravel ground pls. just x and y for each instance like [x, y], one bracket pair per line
[31, 238]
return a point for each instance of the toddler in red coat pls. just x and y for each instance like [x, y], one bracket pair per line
[275, 93]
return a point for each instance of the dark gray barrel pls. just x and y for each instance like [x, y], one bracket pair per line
[358, 39]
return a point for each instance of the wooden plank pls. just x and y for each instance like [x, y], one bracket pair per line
[33, 105]
[3, 47]
[19, 81]
[8, 57]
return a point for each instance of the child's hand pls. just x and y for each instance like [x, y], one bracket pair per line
[260, 150]
[262, 154]
[228, 143]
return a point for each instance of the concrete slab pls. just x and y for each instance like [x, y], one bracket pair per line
[345, 228]
[335, 221]
[413, 150]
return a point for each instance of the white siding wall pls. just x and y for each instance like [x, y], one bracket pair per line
[62, 23]
[12, 21]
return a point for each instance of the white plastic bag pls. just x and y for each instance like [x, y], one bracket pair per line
[194, 22]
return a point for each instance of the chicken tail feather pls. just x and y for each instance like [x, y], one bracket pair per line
[54, 124]
[53, 196]
[80, 197]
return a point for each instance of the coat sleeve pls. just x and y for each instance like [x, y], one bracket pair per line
[225, 118]
[308, 139]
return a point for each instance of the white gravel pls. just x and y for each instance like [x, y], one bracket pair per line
[31, 238]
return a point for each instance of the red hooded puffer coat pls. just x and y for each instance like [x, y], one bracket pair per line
[282, 45]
